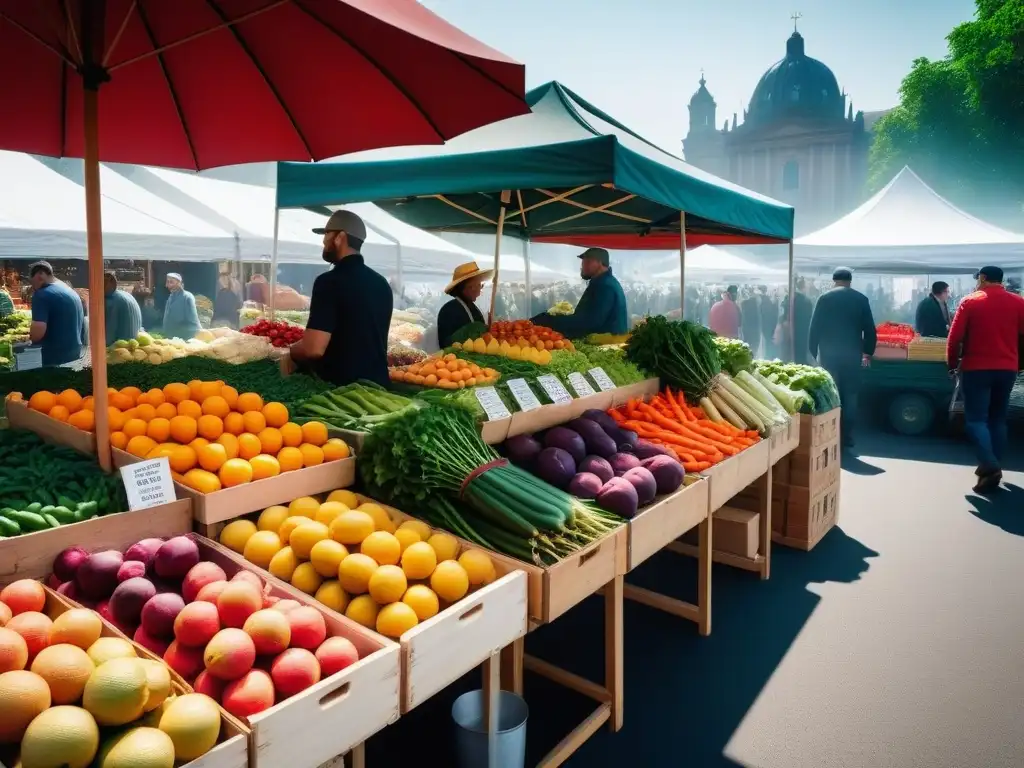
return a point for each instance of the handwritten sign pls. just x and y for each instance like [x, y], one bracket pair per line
[602, 379]
[556, 391]
[148, 483]
[523, 394]
[581, 385]
[491, 402]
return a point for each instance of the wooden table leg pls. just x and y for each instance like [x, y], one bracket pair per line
[357, 756]
[613, 649]
[492, 704]
[512, 666]
[704, 578]
[765, 545]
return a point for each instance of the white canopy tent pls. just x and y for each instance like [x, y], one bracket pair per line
[709, 263]
[908, 228]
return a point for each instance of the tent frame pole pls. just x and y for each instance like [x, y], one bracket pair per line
[529, 280]
[792, 305]
[273, 263]
[682, 265]
[506, 198]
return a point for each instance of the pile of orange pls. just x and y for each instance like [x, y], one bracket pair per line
[447, 372]
[213, 436]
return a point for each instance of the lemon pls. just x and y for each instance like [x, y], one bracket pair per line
[387, 584]
[306, 578]
[406, 536]
[450, 581]
[422, 600]
[396, 619]
[347, 498]
[261, 548]
[479, 567]
[283, 564]
[289, 525]
[354, 573]
[236, 534]
[445, 545]
[381, 519]
[330, 510]
[305, 536]
[421, 528]
[332, 595]
[304, 506]
[363, 610]
[351, 527]
[419, 560]
[382, 547]
[271, 518]
[326, 555]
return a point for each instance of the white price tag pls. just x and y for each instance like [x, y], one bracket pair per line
[581, 385]
[556, 391]
[523, 394]
[491, 402]
[602, 379]
[148, 483]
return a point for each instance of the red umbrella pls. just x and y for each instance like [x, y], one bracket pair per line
[203, 83]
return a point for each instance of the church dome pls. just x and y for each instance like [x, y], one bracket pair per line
[796, 87]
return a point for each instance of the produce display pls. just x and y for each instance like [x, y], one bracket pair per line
[592, 457]
[447, 372]
[607, 339]
[535, 353]
[736, 355]
[614, 362]
[29, 498]
[281, 333]
[14, 327]
[224, 633]
[400, 353]
[250, 315]
[221, 344]
[70, 696]
[523, 333]
[897, 335]
[562, 308]
[812, 388]
[358, 407]
[355, 559]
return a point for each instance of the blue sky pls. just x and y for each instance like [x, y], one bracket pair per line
[640, 60]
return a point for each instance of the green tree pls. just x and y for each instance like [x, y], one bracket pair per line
[960, 121]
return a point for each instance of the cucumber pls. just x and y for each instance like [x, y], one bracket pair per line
[52, 521]
[29, 522]
[8, 527]
[48, 509]
[64, 515]
[35, 506]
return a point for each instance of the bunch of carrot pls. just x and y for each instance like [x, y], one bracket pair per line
[683, 430]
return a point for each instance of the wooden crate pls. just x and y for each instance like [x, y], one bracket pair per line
[553, 414]
[668, 518]
[728, 478]
[807, 516]
[30, 556]
[229, 503]
[20, 416]
[784, 440]
[642, 390]
[338, 713]
[816, 469]
[495, 432]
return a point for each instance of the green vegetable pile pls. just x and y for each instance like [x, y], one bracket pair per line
[816, 383]
[682, 354]
[361, 407]
[613, 360]
[736, 355]
[14, 327]
[29, 468]
[436, 452]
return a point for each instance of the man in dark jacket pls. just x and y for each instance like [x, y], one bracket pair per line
[601, 308]
[750, 319]
[932, 317]
[842, 337]
[796, 335]
[769, 320]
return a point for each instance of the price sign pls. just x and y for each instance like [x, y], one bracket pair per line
[148, 483]
[581, 385]
[523, 394]
[556, 391]
[602, 379]
[491, 403]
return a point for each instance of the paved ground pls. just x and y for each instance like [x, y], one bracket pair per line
[899, 641]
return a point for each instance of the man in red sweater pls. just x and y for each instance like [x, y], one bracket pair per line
[983, 344]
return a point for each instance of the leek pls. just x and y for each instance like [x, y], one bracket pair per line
[710, 411]
[728, 413]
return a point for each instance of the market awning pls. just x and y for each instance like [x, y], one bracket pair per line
[576, 176]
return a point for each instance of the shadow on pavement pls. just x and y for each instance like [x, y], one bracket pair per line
[1004, 508]
[851, 462]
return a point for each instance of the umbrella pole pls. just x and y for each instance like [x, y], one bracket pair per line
[529, 281]
[792, 305]
[273, 263]
[506, 198]
[682, 265]
[94, 230]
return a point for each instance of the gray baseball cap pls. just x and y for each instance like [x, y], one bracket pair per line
[344, 221]
[596, 253]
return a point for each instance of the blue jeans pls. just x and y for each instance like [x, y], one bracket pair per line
[986, 402]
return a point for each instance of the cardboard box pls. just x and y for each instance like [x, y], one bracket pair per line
[807, 516]
[819, 429]
[735, 531]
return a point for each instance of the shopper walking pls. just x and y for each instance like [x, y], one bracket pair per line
[724, 317]
[750, 312]
[842, 337]
[984, 345]
[180, 316]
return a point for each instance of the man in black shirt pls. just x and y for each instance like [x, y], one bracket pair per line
[346, 336]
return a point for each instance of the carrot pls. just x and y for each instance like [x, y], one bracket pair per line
[696, 466]
[615, 414]
[688, 431]
[680, 410]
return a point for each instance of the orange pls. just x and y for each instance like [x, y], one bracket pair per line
[155, 397]
[88, 403]
[131, 413]
[248, 446]
[140, 446]
[289, 458]
[254, 422]
[59, 412]
[209, 389]
[235, 472]
[311, 455]
[121, 401]
[314, 432]
[134, 427]
[162, 449]
[115, 419]
[145, 411]
[202, 481]
[275, 414]
[291, 434]
[335, 449]
[198, 443]
[175, 393]
[264, 466]
[234, 423]
[182, 458]
[159, 429]
[212, 456]
[118, 440]
[190, 408]
[230, 443]
[42, 401]
[183, 428]
[271, 440]
[195, 390]
[230, 395]
[210, 427]
[164, 410]
[133, 393]
[70, 400]
[215, 405]
[84, 420]
[249, 401]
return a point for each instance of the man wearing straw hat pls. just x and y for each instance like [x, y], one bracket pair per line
[465, 288]
[601, 308]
